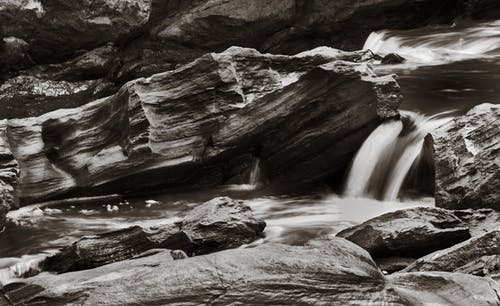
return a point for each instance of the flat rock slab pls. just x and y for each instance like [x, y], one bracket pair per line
[463, 256]
[408, 233]
[216, 225]
[326, 272]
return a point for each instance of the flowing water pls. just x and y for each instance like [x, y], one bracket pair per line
[447, 68]
[386, 157]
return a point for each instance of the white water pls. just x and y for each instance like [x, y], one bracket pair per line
[385, 158]
[439, 45]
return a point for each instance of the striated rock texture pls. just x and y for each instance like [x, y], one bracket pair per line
[9, 174]
[153, 36]
[467, 160]
[303, 116]
[323, 273]
[269, 25]
[219, 224]
[408, 233]
[56, 30]
[464, 257]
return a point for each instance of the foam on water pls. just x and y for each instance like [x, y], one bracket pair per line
[439, 45]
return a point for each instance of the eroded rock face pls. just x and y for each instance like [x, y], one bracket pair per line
[9, 174]
[323, 273]
[303, 116]
[467, 162]
[55, 30]
[216, 225]
[408, 233]
[465, 256]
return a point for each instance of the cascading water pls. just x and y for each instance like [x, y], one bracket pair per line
[254, 178]
[439, 45]
[385, 158]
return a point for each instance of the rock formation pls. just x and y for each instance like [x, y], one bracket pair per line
[9, 174]
[467, 162]
[304, 116]
[408, 233]
[150, 37]
[216, 225]
[324, 272]
[468, 253]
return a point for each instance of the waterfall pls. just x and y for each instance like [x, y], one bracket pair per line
[387, 155]
[439, 45]
[254, 178]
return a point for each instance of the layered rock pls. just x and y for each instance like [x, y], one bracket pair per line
[216, 225]
[323, 273]
[56, 30]
[467, 163]
[303, 116]
[464, 257]
[9, 174]
[408, 233]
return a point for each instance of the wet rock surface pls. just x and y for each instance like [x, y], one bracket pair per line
[408, 233]
[219, 224]
[464, 257]
[202, 123]
[466, 160]
[324, 272]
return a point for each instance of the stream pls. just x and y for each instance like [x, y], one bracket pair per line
[447, 69]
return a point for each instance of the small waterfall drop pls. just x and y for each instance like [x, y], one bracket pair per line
[439, 45]
[387, 155]
[254, 178]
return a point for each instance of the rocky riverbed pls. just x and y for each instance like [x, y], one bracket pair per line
[249, 152]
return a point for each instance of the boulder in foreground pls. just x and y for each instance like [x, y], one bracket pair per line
[324, 272]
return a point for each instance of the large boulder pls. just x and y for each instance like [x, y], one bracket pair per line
[467, 163]
[463, 256]
[322, 273]
[408, 233]
[219, 224]
[303, 116]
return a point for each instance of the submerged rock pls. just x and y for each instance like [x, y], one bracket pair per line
[304, 116]
[322, 273]
[462, 257]
[392, 58]
[467, 163]
[219, 224]
[408, 233]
